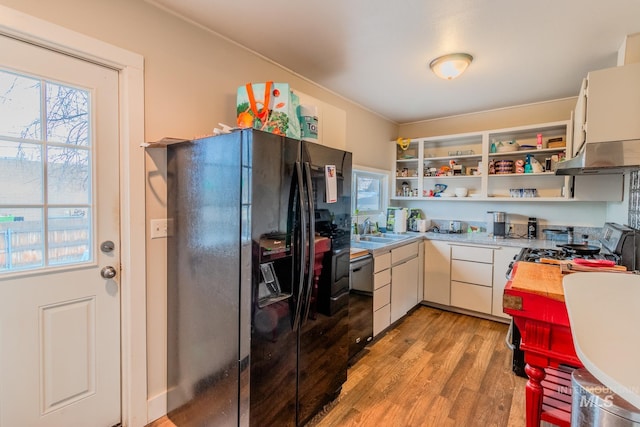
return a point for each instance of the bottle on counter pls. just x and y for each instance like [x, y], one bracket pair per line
[570, 235]
[532, 228]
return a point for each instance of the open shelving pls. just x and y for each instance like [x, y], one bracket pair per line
[427, 162]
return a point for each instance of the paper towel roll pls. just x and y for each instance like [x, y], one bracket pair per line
[400, 224]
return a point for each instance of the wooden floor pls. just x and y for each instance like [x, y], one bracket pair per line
[435, 368]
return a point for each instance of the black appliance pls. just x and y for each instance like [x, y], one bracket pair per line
[332, 296]
[619, 244]
[244, 346]
[360, 305]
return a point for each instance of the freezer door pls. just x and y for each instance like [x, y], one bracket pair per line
[203, 292]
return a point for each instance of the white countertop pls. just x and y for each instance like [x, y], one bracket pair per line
[460, 238]
[604, 313]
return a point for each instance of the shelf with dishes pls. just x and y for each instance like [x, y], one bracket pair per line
[489, 164]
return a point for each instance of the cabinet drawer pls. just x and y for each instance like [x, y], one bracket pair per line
[381, 319]
[382, 262]
[472, 253]
[471, 297]
[381, 297]
[404, 252]
[472, 272]
[382, 278]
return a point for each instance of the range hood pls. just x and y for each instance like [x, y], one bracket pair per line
[614, 157]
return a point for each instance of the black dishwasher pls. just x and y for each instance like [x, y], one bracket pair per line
[360, 304]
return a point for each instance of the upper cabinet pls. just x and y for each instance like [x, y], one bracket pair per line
[510, 164]
[608, 106]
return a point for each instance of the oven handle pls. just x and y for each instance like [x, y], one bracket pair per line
[509, 337]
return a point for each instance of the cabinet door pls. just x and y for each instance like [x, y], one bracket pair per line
[501, 259]
[437, 268]
[404, 288]
[381, 319]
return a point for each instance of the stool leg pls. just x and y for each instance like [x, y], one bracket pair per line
[534, 394]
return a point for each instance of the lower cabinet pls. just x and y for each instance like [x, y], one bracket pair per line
[404, 287]
[471, 297]
[466, 276]
[471, 278]
[437, 272]
[381, 292]
[396, 276]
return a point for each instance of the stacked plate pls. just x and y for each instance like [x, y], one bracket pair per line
[504, 166]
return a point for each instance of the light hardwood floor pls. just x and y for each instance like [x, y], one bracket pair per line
[434, 368]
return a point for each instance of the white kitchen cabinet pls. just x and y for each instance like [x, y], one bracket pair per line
[471, 278]
[548, 185]
[468, 277]
[405, 271]
[471, 152]
[421, 271]
[437, 268]
[404, 287]
[502, 257]
[381, 292]
[608, 106]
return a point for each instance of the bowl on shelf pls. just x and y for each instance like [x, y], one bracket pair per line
[460, 191]
[507, 147]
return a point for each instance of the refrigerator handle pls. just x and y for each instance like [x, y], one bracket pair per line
[303, 226]
[312, 234]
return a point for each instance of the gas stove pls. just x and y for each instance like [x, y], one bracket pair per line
[619, 244]
[536, 254]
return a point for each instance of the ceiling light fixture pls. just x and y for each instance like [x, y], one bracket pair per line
[450, 66]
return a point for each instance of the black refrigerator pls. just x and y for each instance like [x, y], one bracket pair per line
[257, 319]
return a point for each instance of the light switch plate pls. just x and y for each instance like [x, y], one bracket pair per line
[159, 228]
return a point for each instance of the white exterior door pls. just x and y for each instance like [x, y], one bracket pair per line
[59, 202]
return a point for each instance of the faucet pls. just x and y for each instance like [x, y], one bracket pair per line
[366, 226]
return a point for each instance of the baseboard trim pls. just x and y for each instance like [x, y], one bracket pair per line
[157, 406]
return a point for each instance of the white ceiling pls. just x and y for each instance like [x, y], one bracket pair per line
[376, 52]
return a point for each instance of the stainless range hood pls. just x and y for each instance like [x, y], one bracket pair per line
[604, 158]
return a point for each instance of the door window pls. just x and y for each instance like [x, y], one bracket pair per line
[45, 172]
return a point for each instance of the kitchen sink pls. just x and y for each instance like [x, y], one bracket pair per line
[363, 244]
[383, 238]
[377, 239]
[394, 236]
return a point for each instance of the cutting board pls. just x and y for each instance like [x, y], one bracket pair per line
[358, 252]
[541, 279]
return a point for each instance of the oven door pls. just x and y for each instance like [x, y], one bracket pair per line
[513, 334]
[513, 342]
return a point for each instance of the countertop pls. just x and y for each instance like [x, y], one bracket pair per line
[604, 311]
[483, 239]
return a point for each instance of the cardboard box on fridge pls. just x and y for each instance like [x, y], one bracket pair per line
[271, 107]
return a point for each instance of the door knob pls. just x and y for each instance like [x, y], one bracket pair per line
[108, 272]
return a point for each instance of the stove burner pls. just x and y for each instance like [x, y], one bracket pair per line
[535, 254]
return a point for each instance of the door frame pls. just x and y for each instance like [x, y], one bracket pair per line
[130, 67]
